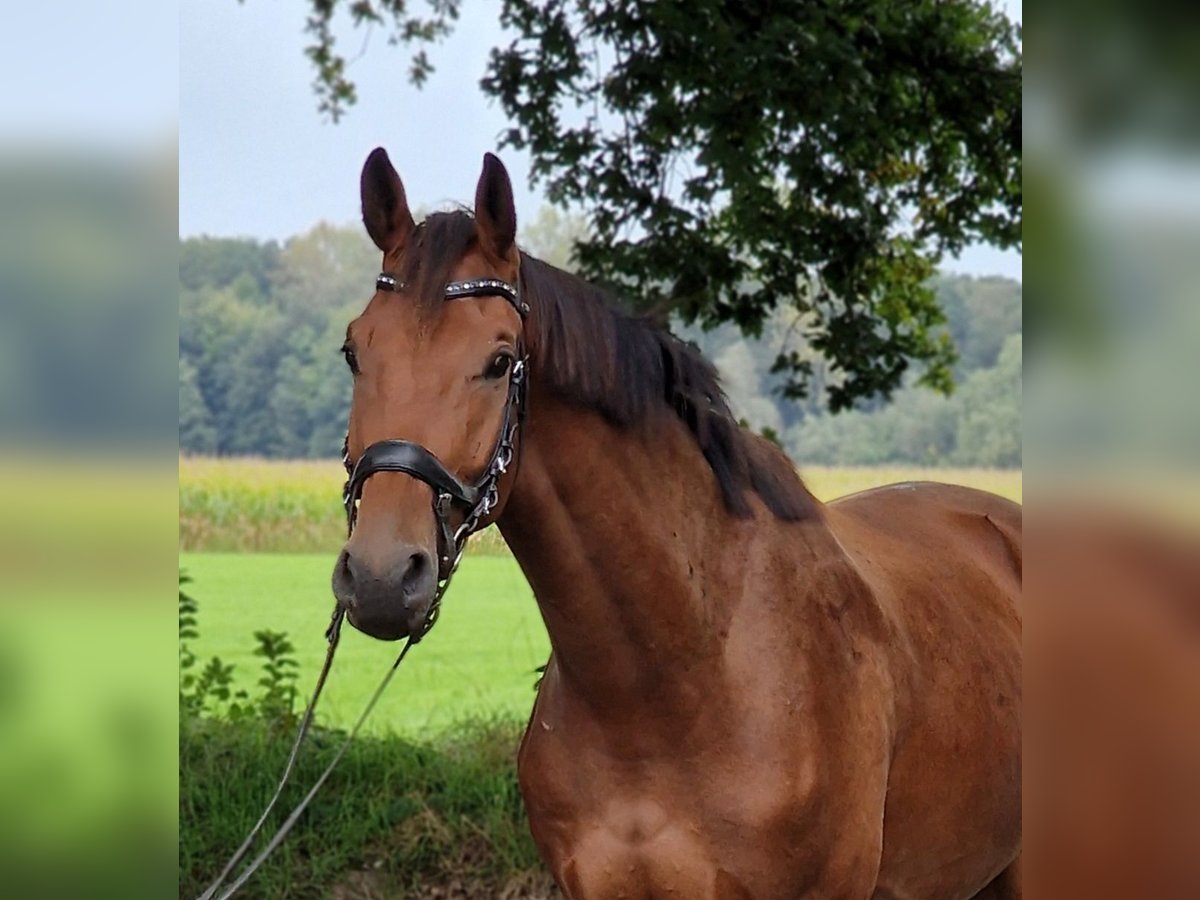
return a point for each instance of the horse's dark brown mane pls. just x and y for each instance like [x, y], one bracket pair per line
[588, 351]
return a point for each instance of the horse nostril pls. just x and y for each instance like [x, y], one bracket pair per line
[344, 579]
[390, 602]
[415, 574]
[410, 579]
[356, 573]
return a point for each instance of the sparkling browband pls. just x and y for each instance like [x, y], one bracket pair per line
[456, 290]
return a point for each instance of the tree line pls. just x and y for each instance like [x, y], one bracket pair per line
[261, 324]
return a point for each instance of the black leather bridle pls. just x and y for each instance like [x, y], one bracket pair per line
[477, 499]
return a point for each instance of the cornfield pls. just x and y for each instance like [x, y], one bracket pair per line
[255, 505]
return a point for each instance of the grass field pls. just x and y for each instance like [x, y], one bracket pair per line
[429, 819]
[479, 661]
[257, 505]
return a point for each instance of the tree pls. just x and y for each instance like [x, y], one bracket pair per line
[219, 262]
[980, 315]
[553, 235]
[262, 373]
[260, 370]
[324, 268]
[743, 386]
[733, 157]
[196, 431]
[989, 431]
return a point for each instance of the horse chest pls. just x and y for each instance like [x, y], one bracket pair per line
[622, 845]
[647, 831]
[630, 849]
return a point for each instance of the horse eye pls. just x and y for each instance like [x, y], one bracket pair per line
[351, 359]
[498, 367]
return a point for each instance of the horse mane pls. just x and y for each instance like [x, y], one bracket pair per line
[588, 351]
[632, 372]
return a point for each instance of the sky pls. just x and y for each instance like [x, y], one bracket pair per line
[78, 75]
[257, 159]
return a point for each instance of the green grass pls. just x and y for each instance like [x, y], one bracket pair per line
[479, 660]
[394, 815]
[427, 796]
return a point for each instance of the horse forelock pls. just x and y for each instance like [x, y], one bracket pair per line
[435, 247]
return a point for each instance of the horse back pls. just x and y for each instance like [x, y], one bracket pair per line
[923, 516]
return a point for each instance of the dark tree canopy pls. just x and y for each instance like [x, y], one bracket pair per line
[736, 157]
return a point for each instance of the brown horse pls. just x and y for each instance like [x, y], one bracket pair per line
[751, 694]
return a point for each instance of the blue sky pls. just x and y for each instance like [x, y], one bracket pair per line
[257, 159]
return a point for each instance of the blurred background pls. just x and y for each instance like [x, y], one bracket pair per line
[1112, 676]
[88, 326]
[178, 254]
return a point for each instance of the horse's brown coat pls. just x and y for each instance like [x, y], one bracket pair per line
[738, 705]
[827, 708]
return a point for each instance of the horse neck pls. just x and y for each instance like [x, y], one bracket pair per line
[624, 539]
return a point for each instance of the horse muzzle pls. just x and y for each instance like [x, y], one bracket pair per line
[389, 601]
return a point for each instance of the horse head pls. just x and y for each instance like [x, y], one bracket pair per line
[437, 388]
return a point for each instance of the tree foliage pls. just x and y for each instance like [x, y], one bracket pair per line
[259, 330]
[735, 158]
[979, 426]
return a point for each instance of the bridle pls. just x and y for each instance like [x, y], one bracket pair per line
[477, 499]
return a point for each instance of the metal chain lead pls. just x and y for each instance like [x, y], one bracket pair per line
[488, 501]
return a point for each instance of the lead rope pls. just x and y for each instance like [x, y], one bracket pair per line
[333, 635]
[487, 502]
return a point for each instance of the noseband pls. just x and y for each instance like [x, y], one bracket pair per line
[478, 499]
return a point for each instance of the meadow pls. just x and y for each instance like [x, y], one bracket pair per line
[425, 803]
[479, 662]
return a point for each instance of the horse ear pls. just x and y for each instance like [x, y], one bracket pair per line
[384, 207]
[495, 212]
